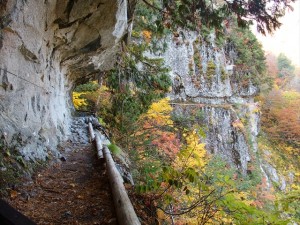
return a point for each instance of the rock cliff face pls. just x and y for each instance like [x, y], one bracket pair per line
[205, 83]
[45, 47]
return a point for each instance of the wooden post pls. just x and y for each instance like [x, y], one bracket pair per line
[124, 209]
[95, 136]
[99, 145]
[91, 130]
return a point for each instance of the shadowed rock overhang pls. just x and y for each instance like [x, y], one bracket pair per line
[46, 47]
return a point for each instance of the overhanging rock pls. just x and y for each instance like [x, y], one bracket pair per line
[45, 47]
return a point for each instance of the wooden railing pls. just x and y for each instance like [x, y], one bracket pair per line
[124, 209]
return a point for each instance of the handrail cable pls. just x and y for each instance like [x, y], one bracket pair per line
[21, 78]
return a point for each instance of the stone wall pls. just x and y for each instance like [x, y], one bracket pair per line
[204, 79]
[45, 47]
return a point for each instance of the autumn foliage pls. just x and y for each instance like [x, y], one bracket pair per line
[157, 123]
[281, 113]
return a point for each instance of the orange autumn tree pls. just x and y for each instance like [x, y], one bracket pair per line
[175, 177]
[157, 126]
[175, 173]
[280, 115]
[153, 143]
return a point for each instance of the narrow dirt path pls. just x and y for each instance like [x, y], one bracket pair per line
[75, 191]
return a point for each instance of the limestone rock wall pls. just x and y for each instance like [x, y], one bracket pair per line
[204, 79]
[45, 47]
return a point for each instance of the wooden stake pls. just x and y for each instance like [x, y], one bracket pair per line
[99, 145]
[91, 130]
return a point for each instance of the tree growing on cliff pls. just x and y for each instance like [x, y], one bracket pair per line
[285, 67]
[135, 83]
[250, 66]
[281, 114]
[196, 13]
[138, 80]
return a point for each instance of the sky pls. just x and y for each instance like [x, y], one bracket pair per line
[287, 38]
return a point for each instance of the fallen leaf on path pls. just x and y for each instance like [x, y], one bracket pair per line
[13, 194]
[80, 197]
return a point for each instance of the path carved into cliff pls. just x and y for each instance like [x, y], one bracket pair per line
[74, 191]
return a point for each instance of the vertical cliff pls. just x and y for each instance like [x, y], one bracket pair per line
[45, 47]
[206, 82]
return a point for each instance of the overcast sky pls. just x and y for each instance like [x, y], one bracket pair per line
[287, 38]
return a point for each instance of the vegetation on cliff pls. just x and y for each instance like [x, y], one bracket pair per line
[280, 137]
[174, 172]
[172, 169]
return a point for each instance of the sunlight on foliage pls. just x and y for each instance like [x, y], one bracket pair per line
[157, 127]
[160, 112]
[78, 100]
[194, 151]
[147, 35]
